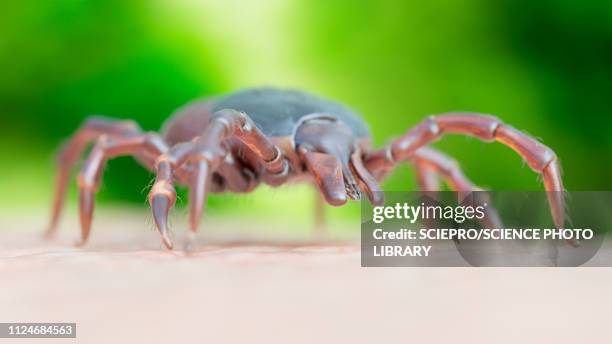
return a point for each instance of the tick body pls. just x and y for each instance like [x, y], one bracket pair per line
[236, 142]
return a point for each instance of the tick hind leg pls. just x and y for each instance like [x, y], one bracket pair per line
[108, 147]
[72, 151]
[539, 157]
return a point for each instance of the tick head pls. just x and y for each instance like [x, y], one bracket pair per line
[329, 149]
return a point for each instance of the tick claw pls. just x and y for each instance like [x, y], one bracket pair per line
[353, 191]
[86, 204]
[197, 194]
[350, 185]
[160, 205]
[166, 240]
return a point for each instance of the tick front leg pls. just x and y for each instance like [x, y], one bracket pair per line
[486, 128]
[162, 198]
[210, 153]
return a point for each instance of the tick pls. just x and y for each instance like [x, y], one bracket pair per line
[236, 142]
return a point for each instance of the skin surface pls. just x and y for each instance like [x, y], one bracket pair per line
[236, 142]
[251, 281]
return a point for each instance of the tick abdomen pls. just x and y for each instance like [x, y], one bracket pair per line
[276, 112]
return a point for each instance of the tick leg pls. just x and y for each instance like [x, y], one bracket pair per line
[431, 163]
[236, 176]
[366, 181]
[228, 123]
[200, 179]
[108, 147]
[162, 198]
[211, 149]
[91, 129]
[427, 178]
[539, 157]
[163, 194]
[428, 182]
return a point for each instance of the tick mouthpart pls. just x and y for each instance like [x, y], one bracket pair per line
[350, 182]
[352, 190]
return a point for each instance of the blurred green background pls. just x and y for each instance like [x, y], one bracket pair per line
[543, 66]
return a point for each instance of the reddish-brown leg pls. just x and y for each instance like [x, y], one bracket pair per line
[428, 182]
[431, 163]
[235, 176]
[427, 178]
[487, 128]
[91, 129]
[108, 147]
[162, 196]
[197, 160]
[366, 181]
